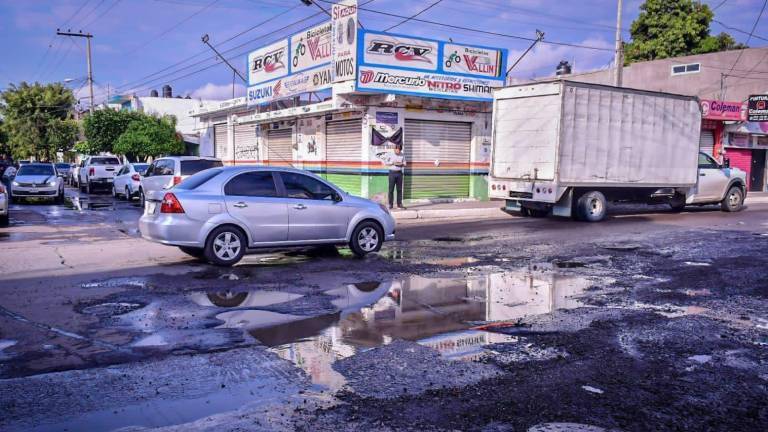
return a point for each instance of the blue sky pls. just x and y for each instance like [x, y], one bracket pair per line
[136, 38]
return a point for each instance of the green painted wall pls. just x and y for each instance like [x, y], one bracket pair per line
[350, 183]
[477, 186]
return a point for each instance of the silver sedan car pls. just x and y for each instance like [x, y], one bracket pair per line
[222, 213]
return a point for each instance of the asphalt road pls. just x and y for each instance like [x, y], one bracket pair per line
[648, 321]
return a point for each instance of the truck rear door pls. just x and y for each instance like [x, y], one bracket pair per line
[526, 137]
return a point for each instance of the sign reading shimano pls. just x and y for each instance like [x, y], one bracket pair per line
[412, 65]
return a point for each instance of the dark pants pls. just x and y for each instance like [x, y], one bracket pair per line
[396, 180]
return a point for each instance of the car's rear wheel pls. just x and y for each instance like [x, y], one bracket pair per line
[734, 200]
[366, 238]
[88, 187]
[127, 194]
[60, 196]
[225, 246]
[142, 198]
[193, 251]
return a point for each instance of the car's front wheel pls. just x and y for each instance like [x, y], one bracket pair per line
[734, 200]
[366, 238]
[142, 198]
[225, 246]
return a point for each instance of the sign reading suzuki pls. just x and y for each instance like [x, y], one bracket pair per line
[471, 60]
[268, 63]
[311, 48]
[344, 46]
[399, 51]
[292, 85]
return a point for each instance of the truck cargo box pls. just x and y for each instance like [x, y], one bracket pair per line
[583, 134]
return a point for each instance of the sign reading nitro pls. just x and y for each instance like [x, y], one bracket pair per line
[311, 48]
[470, 60]
[720, 110]
[268, 63]
[757, 108]
[344, 44]
[399, 51]
[413, 66]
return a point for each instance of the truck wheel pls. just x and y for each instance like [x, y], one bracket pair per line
[733, 201]
[591, 207]
[677, 203]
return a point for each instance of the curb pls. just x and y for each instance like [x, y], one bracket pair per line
[447, 213]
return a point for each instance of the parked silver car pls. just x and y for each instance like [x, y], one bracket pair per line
[37, 180]
[221, 213]
[4, 214]
[166, 172]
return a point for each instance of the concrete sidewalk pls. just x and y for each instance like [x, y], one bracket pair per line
[492, 209]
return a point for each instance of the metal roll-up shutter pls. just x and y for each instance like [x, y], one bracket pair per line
[707, 142]
[220, 141]
[280, 146]
[246, 145]
[343, 140]
[427, 141]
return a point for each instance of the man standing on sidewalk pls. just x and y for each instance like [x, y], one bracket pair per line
[395, 162]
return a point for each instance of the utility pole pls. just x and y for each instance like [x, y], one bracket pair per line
[205, 40]
[88, 38]
[618, 56]
[539, 38]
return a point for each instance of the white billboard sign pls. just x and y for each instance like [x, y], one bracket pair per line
[384, 80]
[472, 60]
[311, 48]
[344, 46]
[302, 82]
[399, 51]
[268, 63]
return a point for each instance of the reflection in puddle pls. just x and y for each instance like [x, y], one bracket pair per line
[405, 256]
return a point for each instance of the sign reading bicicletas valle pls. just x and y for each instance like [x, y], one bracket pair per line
[344, 46]
[311, 48]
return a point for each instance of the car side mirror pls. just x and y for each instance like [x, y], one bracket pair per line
[726, 163]
[337, 197]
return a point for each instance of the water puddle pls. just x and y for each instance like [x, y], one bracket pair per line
[404, 256]
[117, 282]
[6, 343]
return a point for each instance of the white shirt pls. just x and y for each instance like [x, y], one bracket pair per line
[395, 162]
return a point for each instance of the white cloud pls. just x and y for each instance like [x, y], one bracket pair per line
[212, 91]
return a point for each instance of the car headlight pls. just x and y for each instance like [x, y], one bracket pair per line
[14, 183]
[52, 183]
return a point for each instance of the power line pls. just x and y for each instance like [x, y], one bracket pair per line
[174, 27]
[453, 26]
[754, 27]
[738, 30]
[413, 16]
[92, 10]
[101, 15]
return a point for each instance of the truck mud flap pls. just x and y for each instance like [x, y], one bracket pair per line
[513, 206]
[564, 206]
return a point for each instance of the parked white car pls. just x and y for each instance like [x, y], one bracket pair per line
[164, 173]
[37, 180]
[97, 171]
[4, 214]
[127, 180]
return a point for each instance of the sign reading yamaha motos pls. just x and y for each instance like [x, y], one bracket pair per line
[424, 67]
[344, 46]
[757, 108]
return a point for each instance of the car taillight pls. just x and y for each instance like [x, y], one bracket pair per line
[92, 171]
[171, 204]
[176, 180]
[2, 188]
[135, 177]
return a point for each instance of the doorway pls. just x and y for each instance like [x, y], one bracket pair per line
[757, 171]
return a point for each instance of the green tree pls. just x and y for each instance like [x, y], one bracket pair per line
[37, 119]
[673, 28]
[149, 136]
[103, 128]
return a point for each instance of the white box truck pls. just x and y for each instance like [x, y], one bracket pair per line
[570, 148]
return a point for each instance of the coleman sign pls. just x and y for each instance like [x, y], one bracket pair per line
[344, 46]
[757, 108]
[311, 48]
[721, 110]
[424, 67]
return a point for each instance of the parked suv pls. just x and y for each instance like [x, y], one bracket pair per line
[97, 171]
[167, 172]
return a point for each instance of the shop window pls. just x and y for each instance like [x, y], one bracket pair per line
[686, 69]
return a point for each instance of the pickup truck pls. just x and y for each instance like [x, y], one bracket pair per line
[568, 149]
[97, 171]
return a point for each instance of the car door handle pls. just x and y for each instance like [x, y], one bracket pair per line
[702, 174]
[240, 205]
[300, 207]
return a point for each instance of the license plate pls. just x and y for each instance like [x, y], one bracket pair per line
[151, 206]
[109, 180]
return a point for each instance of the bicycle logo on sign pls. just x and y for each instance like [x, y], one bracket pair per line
[453, 59]
[301, 49]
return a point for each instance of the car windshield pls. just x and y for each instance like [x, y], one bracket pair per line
[62, 166]
[32, 170]
[198, 179]
[140, 167]
[189, 167]
[105, 161]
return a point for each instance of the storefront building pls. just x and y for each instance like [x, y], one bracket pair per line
[431, 98]
[746, 147]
